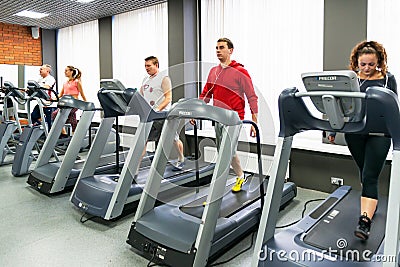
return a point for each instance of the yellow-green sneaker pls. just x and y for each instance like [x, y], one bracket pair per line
[238, 185]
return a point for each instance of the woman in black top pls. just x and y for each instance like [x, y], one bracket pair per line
[369, 151]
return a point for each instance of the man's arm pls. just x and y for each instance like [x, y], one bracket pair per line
[49, 82]
[254, 117]
[252, 98]
[207, 92]
[141, 91]
[166, 87]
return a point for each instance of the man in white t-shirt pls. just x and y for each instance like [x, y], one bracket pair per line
[157, 90]
[46, 80]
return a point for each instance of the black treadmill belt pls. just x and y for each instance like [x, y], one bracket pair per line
[335, 231]
[231, 203]
[109, 160]
[172, 174]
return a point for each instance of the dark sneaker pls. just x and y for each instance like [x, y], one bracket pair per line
[363, 227]
[135, 179]
[177, 166]
[62, 136]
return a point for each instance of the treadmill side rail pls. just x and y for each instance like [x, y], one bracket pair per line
[50, 143]
[95, 151]
[211, 211]
[392, 234]
[273, 195]
[61, 178]
[157, 169]
[120, 194]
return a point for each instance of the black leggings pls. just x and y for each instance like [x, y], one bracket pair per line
[369, 152]
[71, 117]
[35, 115]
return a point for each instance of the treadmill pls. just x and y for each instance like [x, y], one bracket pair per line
[325, 237]
[31, 133]
[44, 175]
[112, 195]
[197, 229]
[54, 176]
[8, 136]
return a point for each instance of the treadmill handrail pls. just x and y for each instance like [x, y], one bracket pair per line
[198, 109]
[138, 105]
[377, 118]
[128, 102]
[332, 93]
[19, 100]
[259, 160]
[113, 84]
[107, 102]
[36, 87]
[12, 91]
[68, 101]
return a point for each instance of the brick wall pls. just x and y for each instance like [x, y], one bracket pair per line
[17, 46]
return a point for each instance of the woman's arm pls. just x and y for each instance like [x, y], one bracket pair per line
[61, 92]
[392, 83]
[79, 83]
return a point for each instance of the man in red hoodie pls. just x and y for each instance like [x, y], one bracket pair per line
[228, 83]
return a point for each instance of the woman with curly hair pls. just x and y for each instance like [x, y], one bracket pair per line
[369, 60]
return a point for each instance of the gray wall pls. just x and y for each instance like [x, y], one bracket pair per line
[183, 47]
[105, 48]
[183, 53]
[314, 170]
[49, 49]
[345, 24]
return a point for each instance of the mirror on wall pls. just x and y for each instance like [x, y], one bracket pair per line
[17, 74]
[9, 73]
[31, 73]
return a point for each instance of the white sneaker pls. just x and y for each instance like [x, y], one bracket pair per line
[178, 165]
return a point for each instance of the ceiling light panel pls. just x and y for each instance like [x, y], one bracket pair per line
[31, 14]
[84, 1]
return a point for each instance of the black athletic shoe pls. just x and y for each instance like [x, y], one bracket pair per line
[363, 227]
[62, 136]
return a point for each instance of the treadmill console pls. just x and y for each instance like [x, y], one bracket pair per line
[334, 81]
[112, 84]
[12, 90]
[41, 92]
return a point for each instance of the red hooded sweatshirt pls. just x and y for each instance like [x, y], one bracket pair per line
[228, 86]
